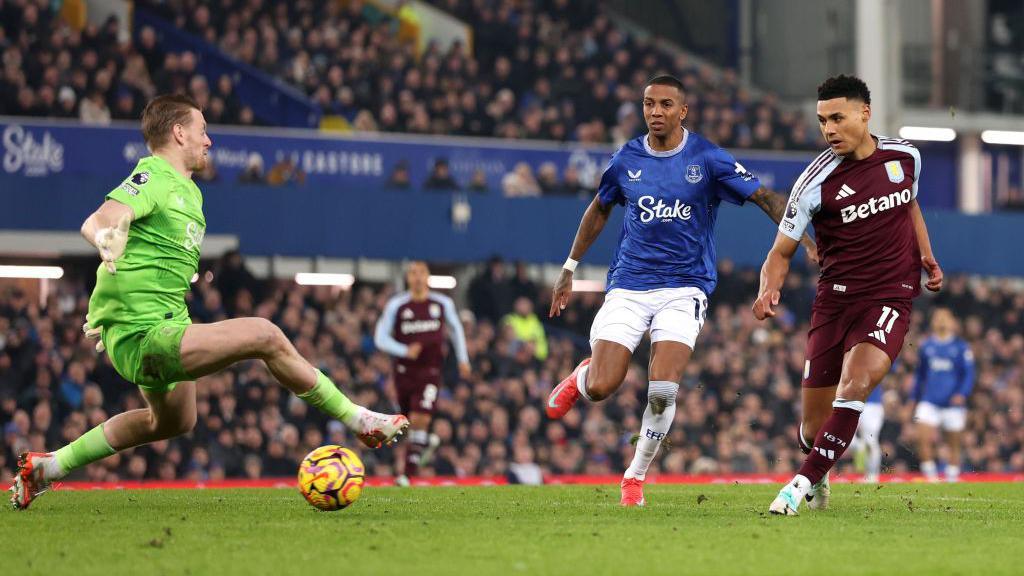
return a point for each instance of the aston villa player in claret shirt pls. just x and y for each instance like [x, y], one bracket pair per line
[412, 329]
[861, 197]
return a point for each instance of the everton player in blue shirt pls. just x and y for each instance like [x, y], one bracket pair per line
[671, 183]
[942, 383]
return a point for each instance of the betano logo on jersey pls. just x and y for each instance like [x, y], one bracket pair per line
[419, 326]
[875, 205]
[649, 210]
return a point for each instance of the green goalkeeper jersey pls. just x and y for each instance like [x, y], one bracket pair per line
[162, 254]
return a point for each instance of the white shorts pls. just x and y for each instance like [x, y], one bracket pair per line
[675, 314]
[871, 421]
[952, 419]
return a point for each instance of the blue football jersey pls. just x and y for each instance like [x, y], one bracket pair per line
[945, 368]
[671, 199]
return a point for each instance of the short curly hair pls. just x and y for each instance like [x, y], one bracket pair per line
[844, 86]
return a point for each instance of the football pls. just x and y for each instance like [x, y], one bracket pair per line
[331, 477]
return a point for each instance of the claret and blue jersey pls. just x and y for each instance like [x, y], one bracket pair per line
[671, 199]
[945, 368]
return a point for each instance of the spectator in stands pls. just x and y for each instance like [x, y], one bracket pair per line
[286, 171]
[522, 286]
[72, 387]
[399, 179]
[440, 177]
[364, 122]
[209, 172]
[246, 117]
[520, 182]
[148, 48]
[237, 286]
[547, 178]
[125, 108]
[527, 328]
[490, 293]
[253, 173]
[67, 103]
[523, 81]
[93, 110]
[478, 181]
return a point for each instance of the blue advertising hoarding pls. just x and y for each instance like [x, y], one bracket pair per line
[364, 163]
[53, 175]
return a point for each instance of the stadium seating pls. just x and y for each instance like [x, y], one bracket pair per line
[535, 73]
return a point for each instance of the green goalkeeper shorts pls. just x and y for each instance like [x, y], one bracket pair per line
[148, 356]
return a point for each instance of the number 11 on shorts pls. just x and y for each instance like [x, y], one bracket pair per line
[891, 315]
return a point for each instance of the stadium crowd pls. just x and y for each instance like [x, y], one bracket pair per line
[539, 70]
[738, 402]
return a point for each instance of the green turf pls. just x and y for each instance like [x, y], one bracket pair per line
[896, 529]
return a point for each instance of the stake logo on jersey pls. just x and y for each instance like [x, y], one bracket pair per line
[667, 238]
[194, 235]
[649, 210]
[860, 210]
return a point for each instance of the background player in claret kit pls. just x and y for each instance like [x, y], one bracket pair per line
[942, 383]
[148, 233]
[671, 182]
[861, 196]
[413, 328]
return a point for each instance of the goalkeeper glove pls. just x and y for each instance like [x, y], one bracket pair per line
[93, 334]
[111, 242]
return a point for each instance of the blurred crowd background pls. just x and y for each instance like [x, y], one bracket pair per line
[548, 69]
[738, 404]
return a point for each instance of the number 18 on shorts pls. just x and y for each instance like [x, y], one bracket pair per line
[675, 314]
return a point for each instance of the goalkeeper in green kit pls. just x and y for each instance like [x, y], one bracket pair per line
[148, 233]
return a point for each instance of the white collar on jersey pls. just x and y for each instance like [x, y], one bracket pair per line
[666, 153]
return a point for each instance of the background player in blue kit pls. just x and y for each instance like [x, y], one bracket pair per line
[942, 383]
[671, 183]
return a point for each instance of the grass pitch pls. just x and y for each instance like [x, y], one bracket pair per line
[710, 529]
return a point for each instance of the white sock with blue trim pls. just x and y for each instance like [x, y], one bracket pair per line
[658, 416]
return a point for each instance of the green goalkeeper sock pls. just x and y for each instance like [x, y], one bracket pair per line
[88, 448]
[326, 397]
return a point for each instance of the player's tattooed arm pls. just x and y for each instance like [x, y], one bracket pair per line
[774, 205]
[590, 228]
